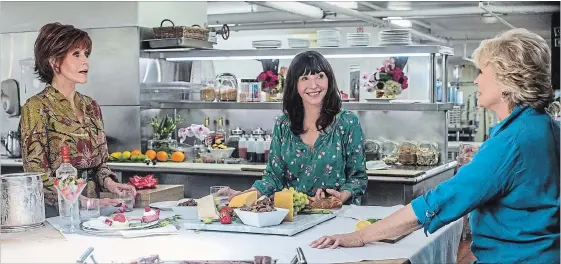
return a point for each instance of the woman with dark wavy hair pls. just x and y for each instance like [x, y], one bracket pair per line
[317, 147]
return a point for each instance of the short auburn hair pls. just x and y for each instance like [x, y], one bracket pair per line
[53, 43]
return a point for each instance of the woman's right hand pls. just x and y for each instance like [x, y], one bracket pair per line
[109, 202]
[227, 191]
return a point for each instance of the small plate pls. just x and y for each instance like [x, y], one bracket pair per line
[164, 206]
[97, 224]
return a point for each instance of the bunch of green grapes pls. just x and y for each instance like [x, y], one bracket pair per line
[300, 201]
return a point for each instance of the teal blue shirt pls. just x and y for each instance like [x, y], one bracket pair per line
[336, 161]
[511, 188]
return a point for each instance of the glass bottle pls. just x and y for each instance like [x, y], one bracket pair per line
[64, 171]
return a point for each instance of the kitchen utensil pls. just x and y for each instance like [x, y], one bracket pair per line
[23, 202]
[12, 144]
[9, 90]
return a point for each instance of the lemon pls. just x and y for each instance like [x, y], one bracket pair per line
[362, 224]
[116, 155]
[127, 154]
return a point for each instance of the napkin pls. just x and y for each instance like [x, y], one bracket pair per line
[166, 230]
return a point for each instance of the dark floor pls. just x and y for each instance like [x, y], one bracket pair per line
[464, 252]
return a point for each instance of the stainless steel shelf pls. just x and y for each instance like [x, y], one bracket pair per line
[278, 106]
[338, 52]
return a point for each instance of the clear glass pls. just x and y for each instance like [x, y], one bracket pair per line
[127, 198]
[220, 198]
[89, 209]
[69, 200]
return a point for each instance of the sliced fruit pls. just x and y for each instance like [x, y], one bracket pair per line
[178, 156]
[151, 154]
[362, 224]
[162, 156]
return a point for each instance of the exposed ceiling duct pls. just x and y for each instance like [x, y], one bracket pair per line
[373, 20]
[296, 8]
[495, 15]
[280, 16]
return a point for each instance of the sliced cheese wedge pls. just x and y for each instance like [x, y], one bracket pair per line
[240, 200]
[207, 208]
[285, 199]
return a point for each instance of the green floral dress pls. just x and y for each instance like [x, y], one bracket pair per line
[336, 162]
[48, 120]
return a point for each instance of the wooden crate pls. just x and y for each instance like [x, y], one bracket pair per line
[162, 192]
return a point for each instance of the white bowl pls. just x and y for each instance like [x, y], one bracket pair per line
[221, 153]
[186, 212]
[262, 219]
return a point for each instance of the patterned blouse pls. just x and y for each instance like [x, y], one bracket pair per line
[46, 122]
[336, 162]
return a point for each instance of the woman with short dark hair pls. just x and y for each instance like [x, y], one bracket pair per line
[317, 147]
[59, 115]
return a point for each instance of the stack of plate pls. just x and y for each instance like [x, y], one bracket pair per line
[395, 37]
[298, 43]
[358, 39]
[328, 38]
[266, 44]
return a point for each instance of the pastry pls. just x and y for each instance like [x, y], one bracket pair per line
[325, 203]
[150, 215]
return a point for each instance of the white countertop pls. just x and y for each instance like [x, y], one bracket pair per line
[47, 245]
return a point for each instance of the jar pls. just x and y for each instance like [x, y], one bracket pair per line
[208, 94]
[372, 149]
[244, 92]
[427, 154]
[389, 152]
[407, 154]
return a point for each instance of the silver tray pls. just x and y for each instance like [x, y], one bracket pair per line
[179, 43]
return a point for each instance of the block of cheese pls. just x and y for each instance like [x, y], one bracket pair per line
[240, 200]
[285, 199]
[207, 208]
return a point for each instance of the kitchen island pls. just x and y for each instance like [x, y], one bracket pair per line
[47, 245]
[393, 186]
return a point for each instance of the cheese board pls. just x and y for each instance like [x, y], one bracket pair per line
[300, 223]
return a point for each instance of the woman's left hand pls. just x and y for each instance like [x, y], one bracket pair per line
[119, 188]
[344, 240]
[343, 196]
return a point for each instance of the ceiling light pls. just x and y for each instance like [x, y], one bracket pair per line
[401, 22]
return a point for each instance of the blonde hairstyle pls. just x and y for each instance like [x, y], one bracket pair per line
[521, 64]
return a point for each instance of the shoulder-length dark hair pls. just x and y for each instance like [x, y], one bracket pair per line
[309, 62]
[53, 43]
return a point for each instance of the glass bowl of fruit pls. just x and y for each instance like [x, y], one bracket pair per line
[220, 151]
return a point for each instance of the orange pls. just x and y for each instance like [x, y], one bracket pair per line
[162, 156]
[151, 154]
[178, 156]
[136, 152]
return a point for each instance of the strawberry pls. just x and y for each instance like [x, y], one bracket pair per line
[225, 215]
[147, 209]
[108, 222]
[120, 218]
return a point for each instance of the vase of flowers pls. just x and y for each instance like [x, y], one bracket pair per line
[389, 80]
[163, 131]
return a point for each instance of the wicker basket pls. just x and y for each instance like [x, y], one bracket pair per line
[193, 32]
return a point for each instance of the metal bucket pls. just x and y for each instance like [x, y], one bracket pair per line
[22, 206]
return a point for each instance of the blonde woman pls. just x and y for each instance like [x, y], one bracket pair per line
[511, 187]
